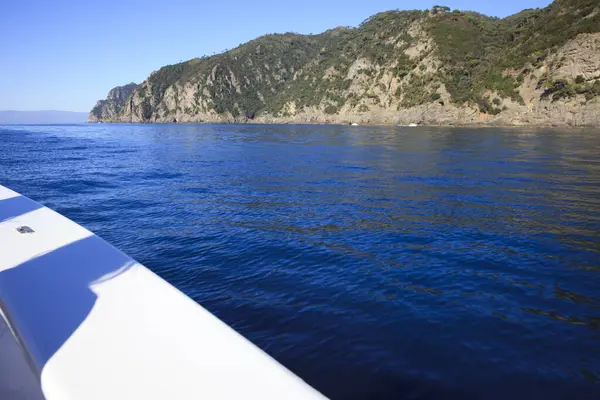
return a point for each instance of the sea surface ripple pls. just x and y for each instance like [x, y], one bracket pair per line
[374, 262]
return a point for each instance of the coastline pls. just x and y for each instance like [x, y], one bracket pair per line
[349, 124]
[539, 114]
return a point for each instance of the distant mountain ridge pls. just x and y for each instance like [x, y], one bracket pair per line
[42, 117]
[439, 67]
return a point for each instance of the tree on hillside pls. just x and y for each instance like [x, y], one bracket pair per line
[440, 10]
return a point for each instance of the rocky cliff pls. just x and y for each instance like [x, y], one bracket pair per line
[440, 67]
[114, 105]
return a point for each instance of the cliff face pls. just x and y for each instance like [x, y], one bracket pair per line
[538, 67]
[113, 106]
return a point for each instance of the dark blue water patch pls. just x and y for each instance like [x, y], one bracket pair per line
[67, 158]
[121, 151]
[373, 262]
[85, 185]
[68, 149]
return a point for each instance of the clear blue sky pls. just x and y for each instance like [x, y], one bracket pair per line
[66, 54]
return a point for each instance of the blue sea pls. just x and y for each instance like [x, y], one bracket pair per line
[374, 262]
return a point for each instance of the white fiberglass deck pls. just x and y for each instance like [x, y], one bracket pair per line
[94, 324]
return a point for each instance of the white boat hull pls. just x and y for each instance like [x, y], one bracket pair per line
[95, 324]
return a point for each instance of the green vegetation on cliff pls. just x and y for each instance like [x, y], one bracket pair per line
[393, 60]
[476, 50]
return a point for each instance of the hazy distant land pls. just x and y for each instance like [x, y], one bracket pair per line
[42, 117]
